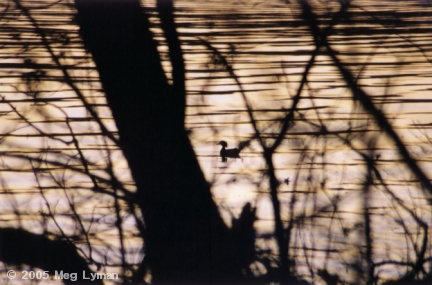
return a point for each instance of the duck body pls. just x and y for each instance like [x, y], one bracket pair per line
[224, 152]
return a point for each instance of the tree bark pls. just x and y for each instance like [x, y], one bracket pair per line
[186, 237]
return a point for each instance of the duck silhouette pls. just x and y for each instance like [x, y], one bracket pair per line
[232, 152]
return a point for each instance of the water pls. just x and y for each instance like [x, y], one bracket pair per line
[340, 221]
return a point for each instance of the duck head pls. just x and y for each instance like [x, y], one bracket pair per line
[223, 143]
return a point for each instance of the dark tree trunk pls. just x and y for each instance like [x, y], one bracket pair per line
[186, 237]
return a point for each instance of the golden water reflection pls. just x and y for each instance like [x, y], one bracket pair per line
[320, 164]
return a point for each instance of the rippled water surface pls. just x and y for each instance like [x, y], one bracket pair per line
[350, 202]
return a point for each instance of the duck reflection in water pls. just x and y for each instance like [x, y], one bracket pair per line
[231, 152]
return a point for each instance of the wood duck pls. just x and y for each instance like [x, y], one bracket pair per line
[232, 152]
